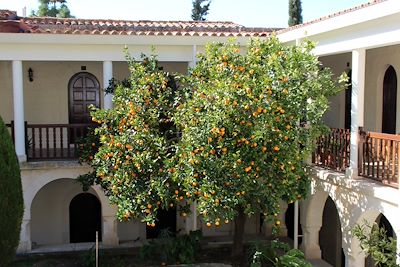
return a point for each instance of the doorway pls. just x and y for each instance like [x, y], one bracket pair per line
[330, 236]
[84, 218]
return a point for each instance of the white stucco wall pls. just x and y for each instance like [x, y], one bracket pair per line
[377, 62]
[50, 212]
[356, 201]
[46, 97]
[335, 116]
[6, 94]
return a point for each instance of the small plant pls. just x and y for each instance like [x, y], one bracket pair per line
[89, 258]
[277, 254]
[171, 249]
[377, 244]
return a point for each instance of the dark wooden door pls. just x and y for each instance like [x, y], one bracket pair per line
[84, 218]
[389, 101]
[84, 90]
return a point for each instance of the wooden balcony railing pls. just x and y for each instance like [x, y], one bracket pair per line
[379, 156]
[51, 141]
[333, 150]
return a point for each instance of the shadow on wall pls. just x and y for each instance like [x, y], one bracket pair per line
[337, 206]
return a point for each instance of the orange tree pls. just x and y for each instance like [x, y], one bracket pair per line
[244, 137]
[132, 145]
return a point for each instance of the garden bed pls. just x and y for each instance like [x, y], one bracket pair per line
[220, 256]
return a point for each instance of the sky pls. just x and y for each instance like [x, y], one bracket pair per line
[250, 13]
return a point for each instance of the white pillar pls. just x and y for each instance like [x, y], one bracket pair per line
[110, 233]
[281, 217]
[357, 107]
[191, 220]
[107, 75]
[194, 57]
[19, 119]
[25, 244]
[296, 225]
[310, 245]
[355, 261]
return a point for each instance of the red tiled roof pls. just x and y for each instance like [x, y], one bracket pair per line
[142, 27]
[370, 3]
[156, 28]
[5, 13]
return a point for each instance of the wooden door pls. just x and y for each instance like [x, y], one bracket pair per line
[83, 91]
[389, 105]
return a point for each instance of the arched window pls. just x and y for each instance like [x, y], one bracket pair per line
[389, 101]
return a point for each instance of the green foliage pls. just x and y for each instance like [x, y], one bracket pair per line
[277, 254]
[172, 249]
[48, 8]
[88, 146]
[11, 199]
[114, 83]
[375, 242]
[89, 258]
[137, 138]
[200, 9]
[231, 137]
[295, 12]
[242, 144]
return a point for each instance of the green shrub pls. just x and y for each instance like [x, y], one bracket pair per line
[375, 242]
[11, 200]
[277, 254]
[172, 249]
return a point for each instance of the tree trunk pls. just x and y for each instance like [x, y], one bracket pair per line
[237, 248]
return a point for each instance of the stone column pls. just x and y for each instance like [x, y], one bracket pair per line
[19, 118]
[281, 218]
[110, 232]
[25, 244]
[192, 63]
[310, 245]
[355, 260]
[191, 220]
[107, 75]
[357, 107]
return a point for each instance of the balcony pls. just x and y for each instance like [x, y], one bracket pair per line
[378, 155]
[52, 142]
[333, 150]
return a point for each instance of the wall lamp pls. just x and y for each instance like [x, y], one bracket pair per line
[30, 74]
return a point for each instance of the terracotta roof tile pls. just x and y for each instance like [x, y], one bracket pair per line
[156, 28]
[143, 27]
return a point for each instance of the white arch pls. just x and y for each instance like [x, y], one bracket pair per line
[32, 185]
[314, 208]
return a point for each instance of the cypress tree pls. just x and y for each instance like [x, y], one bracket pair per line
[295, 12]
[200, 9]
[48, 8]
[11, 199]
